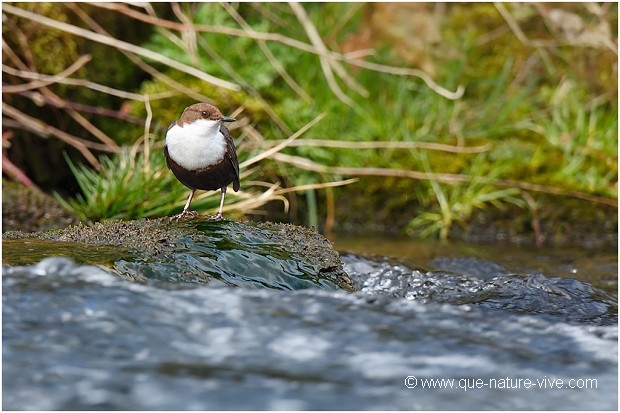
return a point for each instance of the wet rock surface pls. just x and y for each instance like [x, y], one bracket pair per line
[192, 251]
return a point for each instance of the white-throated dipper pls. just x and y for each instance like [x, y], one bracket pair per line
[201, 153]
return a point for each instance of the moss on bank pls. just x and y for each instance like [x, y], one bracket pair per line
[28, 209]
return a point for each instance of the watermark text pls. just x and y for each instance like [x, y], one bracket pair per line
[507, 383]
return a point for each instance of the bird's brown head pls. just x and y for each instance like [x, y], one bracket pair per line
[202, 111]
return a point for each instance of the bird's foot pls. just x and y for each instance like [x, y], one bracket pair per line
[216, 217]
[184, 214]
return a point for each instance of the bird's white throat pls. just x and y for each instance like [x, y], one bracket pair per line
[196, 145]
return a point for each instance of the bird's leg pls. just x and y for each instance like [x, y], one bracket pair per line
[218, 216]
[186, 212]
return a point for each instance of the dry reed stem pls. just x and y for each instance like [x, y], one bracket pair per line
[355, 7]
[86, 124]
[317, 41]
[516, 30]
[405, 71]
[282, 145]
[173, 84]
[533, 207]
[321, 185]
[119, 44]
[309, 165]
[230, 31]
[274, 192]
[6, 49]
[51, 97]
[46, 80]
[267, 14]
[40, 99]
[327, 143]
[314, 37]
[275, 37]
[514, 26]
[555, 191]
[38, 80]
[15, 173]
[147, 135]
[9, 168]
[248, 199]
[269, 55]
[46, 130]
[189, 35]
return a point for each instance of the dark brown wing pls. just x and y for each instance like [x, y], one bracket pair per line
[231, 155]
[166, 147]
[167, 156]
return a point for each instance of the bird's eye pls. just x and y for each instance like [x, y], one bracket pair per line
[205, 114]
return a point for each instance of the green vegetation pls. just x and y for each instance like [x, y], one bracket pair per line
[131, 185]
[537, 122]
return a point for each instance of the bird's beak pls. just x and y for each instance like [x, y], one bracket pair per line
[227, 119]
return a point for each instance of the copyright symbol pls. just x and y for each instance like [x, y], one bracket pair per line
[411, 382]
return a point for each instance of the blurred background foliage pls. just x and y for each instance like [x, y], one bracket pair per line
[449, 115]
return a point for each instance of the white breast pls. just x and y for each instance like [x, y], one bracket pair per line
[196, 145]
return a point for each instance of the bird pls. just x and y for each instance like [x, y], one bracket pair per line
[201, 153]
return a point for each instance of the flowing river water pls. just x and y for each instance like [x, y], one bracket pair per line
[432, 326]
